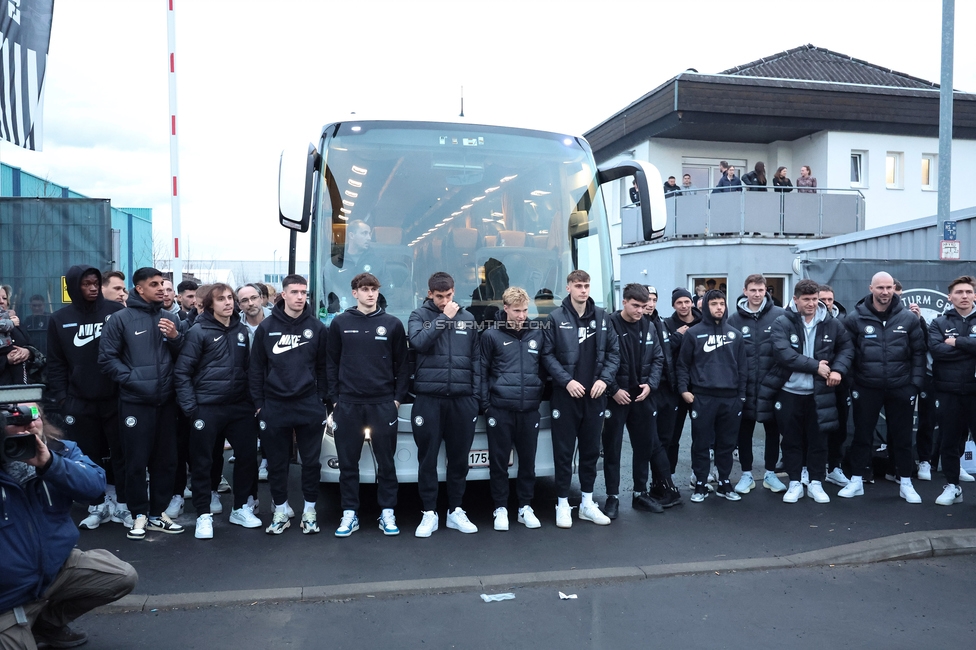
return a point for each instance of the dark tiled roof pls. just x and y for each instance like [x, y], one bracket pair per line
[812, 63]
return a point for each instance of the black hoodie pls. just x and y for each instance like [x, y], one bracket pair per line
[212, 367]
[72, 343]
[368, 358]
[713, 356]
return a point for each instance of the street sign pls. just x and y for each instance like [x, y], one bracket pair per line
[949, 230]
[949, 250]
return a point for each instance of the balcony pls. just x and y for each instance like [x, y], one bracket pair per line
[718, 212]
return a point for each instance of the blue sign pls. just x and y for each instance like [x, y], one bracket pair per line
[949, 231]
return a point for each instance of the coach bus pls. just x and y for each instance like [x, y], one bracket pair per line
[493, 206]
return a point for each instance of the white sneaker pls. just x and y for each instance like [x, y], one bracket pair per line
[965, 477]
[591, 512]
[951, 494]
[746, 484]
[925, 471]
[244, 516]
[224, 486]
[204, 528]
[854, 488]
[458, 520]
[428, 524]
[907, 492]
[526, 515]
[255, 505]
[175, 507]
[772, 483]
[216, 507]
[837, 477]
[564, 516]
[816, 492]
[805, 476]
[187, 492]
[794, 492]
[501, 518]
[388, 522]
[97, 515]
[693, 481]
[263, 470]
[289, 511]
[122, 515]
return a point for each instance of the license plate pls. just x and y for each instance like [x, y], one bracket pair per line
[479, 458]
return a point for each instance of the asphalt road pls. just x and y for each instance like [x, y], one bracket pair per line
[759, 526]
[914, 604]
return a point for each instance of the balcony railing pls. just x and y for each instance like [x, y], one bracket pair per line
[717, 212]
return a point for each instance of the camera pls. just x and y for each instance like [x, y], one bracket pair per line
[18, 446]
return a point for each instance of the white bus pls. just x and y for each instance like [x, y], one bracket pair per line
[493, 206]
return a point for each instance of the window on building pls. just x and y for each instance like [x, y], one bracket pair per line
[929, 171]
[705, 172]
[894, 178]
[859, 169]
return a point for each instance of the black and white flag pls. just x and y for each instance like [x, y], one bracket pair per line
[25, 34]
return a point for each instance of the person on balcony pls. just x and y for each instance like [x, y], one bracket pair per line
[729, 182]
[781, 181]
[806, 181]
[756, 179]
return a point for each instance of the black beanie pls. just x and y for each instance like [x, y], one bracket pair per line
[679, 293]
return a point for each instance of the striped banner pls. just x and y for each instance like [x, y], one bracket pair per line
[25, 34]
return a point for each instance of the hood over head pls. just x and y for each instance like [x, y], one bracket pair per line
[72, 278]
[713, 294]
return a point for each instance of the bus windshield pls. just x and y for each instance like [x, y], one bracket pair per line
[495, 207]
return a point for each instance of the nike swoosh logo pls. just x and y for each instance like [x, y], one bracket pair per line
[81, 341]
[278, 348]
[218, 338]
[711, 347]
[142, 332]
[343, 270]
[392, 423]
[508, 342]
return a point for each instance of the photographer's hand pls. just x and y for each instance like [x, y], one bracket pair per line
[43, 456]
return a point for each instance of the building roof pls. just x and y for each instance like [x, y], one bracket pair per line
[813, 63]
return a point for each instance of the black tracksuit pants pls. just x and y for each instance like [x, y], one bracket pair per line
[679, 424]
[804, 444]
[149, 442]
[747, 428]
[94, 425]
[236, 423]
[276, 443]
[714, 423]
[351, 421]
[640, 419]
[505, 429]
[183, 457]
[576, 421]
[899, 406]
[957, 415]
[666, 401]
[837, 437]
[451, 420]
[927, 419]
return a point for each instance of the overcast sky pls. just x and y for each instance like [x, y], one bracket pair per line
[257, 76]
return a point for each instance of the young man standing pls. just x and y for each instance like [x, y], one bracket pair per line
[369, 377]
[837, 437]
[136, 350]
[511, 391]
[685, 315]
[447, 384]
[113, 287]
[169, 298]
[187, 292]
[754, 317]
[581, 356]
[288, 384]
[631, 404]
[713, 372]
[811, 354]
[952, 343]
[889, 369]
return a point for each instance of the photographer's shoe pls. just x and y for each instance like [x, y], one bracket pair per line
[57, 637]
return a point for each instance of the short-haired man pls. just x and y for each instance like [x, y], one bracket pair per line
[685, 316]
[187, 292]
[169, 298]
[137, 350]
[369, 378]
[686, 185]
[889, 370]
[837, 437]
[253, 311]
[631, 404]
[288, 383]
[952, 344]
[511, 390]
[446, 382]
[113, 287]
[754, 316]
[811, 354]
[671, 187]
[713, 372]
[89, 399]
[581, 356]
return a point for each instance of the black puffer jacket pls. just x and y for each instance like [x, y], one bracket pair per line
[953, 366]
[561, 351]
[511, 375]
[448, 355]
[651, 356]
[136, 355]
[713, 357]
[673, 324]
[890, 353]
[668, 372]
[212, 367]
[786, 343]
[72, 343]
[755, 328]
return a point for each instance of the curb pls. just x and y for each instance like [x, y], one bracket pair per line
[905, 546]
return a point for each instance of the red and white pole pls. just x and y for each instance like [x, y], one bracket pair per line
[174, 149]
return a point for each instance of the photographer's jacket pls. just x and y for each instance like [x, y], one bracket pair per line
[512, 377]
[212, 367]
[641, 356]
[447, 351]
[288, 358]
[713, 357]
[889, 348]
[568, 339]
[136, 355]
[36, 529]
[368, 358]
[73, 335]
[953, 367]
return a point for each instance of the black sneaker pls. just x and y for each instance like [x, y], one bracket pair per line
[726, 491]
[612, 507]
[644, 501]
[58, 637]
[658, 491]
[701, 492]
[671, 498]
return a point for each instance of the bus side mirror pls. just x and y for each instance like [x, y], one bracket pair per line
[296, 176]
[654, 215]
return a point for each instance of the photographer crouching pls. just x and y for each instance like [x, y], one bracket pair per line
[45, 582]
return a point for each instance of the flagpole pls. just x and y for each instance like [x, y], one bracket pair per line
[174, 163]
